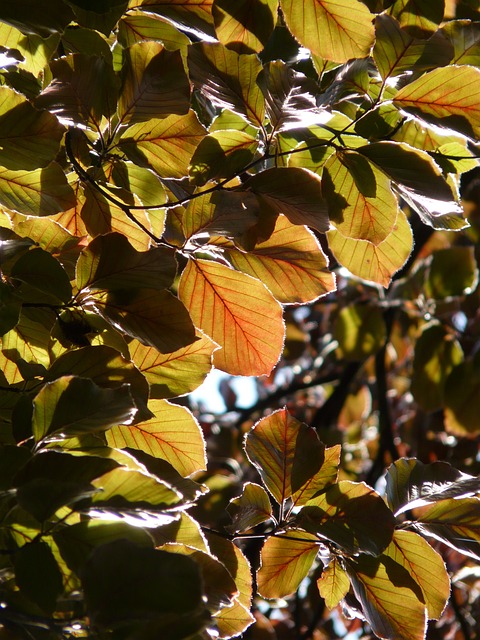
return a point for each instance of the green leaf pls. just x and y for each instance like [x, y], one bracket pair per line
[452, 272]
[286, 561]
[40, 192]
[447, 92]
[238, 313]
[154, 84]
[173, 435]
[10, 306]
[352, 516]
[374, 263]
[164, 145]
[294, 192]
[30, 17]
[426, 566]
[334, 584]
[360, 331]
[360, 201]
[83, 89]
[41, 270]
[251, 508]
[460, 398]
[72, 406]
[135, 27]
[184, 530]
[233, 621]
[101, 16]
[236, 564]
[143, 184]
[125, 583]
[420, 19]
[34, 51]
[37, 575]
[228, 79]
[465, 38]
[190, 14]
[288, 455]
[28, 138]
[221, 154]
[391, 600]
[436, 354]
[244, 26]
[291, 263]
[156, 318]
[110, 262]
[332, 29]
[174, 374]
[76, 39]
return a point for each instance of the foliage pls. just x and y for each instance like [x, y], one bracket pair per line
[176, 179]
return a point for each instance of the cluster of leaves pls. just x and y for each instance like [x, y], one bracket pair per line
[175, 177]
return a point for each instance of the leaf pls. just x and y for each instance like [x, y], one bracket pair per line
[421, 18]
[83, 89]
[452, 272]
[360, 331]
[251, 508]
[191, 14]
[76, 39]
[29, 17]
[28, 138]
[243, 25]
[287, 453]
[360, 201]
[294, 192]
[334, 584]
[135, 27]
[40, 192]
[37, 575]
[110, 262]
[332, 29]
[456, 522]
[452, 91]
[124, 582]
[290, 263]
[465, 38]
[286, 560]
[173, 435]
[426, 566]
[234, 620]
[228, 79]
[164, 145]
[174, 374]
[351, 515]
[236, 564]
[461, 391]
[374, 263]
[74, 406]
[238, 313]
[41, 270]
[156, 318]
[221, 154]
[436, 354]
[154, 83]
[185, 530]
[391, 600]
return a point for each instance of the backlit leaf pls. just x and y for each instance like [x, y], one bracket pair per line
[344, 513]
[41, 270]
[238, 313]
[173, 435]
[291, 263]
[286, 560]
[135, 27]
[250, 509]
[228, 79]
[156, 318]
[185, 530]
[286, 452]
[445, 92]
[28, 138]
[177, 373]
[333, 29]
[34, 51]
[391, 600]
[425, 565]
[74, 406]
[376, 263]
[192, 14]
[236, 564]
[40, 192]
[360, 201]
[421, 18]
[83, 90]
[99, 266]
[453, 272]
[294, 192]
[154, 84]
[164, 145]
[465, 38]
[360, 331]
[29, 17]
[243, 25]
[461, 391]
[334, 583]
[232, 621]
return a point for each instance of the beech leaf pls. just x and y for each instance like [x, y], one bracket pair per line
[334, 584]
[244, 26]
[250, 509]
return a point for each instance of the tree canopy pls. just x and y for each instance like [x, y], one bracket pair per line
[269, 188]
